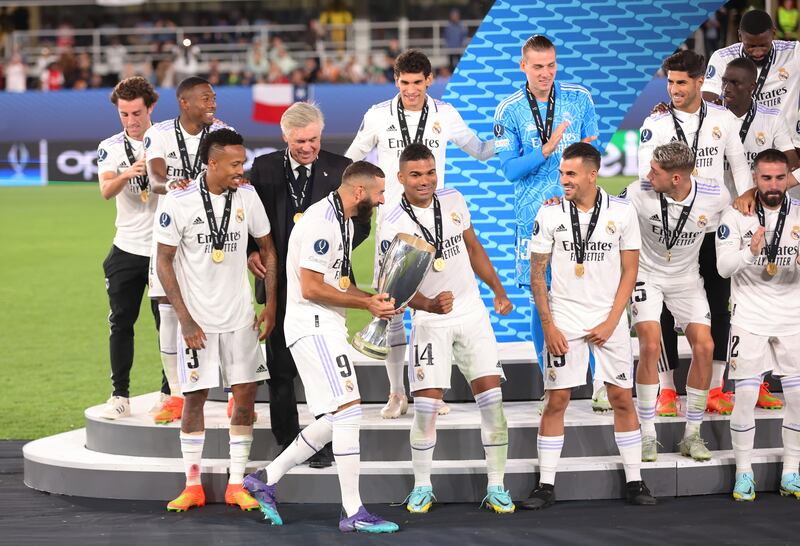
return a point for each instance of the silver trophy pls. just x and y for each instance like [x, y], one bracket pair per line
[405, 264]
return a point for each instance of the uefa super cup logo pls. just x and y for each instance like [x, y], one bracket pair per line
[18, 157]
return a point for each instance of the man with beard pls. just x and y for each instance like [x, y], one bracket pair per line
[760, 254]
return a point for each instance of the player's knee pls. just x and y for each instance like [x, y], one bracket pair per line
[557, 402]
[703, 349]
[649, 350]
[620, 399]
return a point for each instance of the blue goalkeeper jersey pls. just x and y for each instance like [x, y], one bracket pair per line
[519, 148]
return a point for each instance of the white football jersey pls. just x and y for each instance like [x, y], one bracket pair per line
[709, 202]
[719, 140]
[315, 244]
[381, 128]
[217, 295]
[457, 276]
[781, 86]
[767, 130]
[581, 303]
[160, 141]
[761, 304]
[134, 217]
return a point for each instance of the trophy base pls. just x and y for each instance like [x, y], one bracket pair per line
[369, 349]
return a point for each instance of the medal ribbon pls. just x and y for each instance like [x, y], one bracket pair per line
[142, 181]
[679, 129]
[762, 76]
[298, 201]
[748, 120]
[545, 129]
[578, 241]
[344, 226]
[437, 238]
[217, 235]
[671, 237]
[771, 249]
[192, 171]
[401, 118]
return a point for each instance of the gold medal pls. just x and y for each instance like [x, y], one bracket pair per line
[344, 283]
[694, 172]
[438, 264]
[297, 216]
[772, 269]
[579, 270]
[217, 255]
[145, 195]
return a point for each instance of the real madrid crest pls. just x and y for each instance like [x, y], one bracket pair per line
[194, 377]
[716, 132]
[783, 74]
[634, 310]
[551, 375]
[702, 221]
[240, 215]
[420, 374]
[733, 364]
[455, 218]
[611, 227]
[437, 128]
[760, 138]
[795, 232]
[348, 385]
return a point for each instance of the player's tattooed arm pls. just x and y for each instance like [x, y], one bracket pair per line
[554, 339]
[192, 333]
[269, 262]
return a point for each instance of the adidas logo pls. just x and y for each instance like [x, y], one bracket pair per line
[748, 234]
[172, 155]
[261, 368]
[621, 377]
[655, 217]
[561, 228]
[391, 128]
[198, 221]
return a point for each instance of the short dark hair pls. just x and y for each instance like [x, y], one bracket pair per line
[361, 169]
[745, 64]
[687, 61]
[584, 151]
[134, 88]
[217, 140]
[412, 61]
[537, 42]
[415, 152]
[770, 155]
[756, 22]
[189, 83]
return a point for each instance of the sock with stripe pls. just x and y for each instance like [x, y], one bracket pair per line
[791, 424]
[549, 452]
[630, 449]
[192, 452]
[310, 440]
[695, 409]
[396, 359]
[168, 346]
[347, 453]
[494, 434]
[646, 396]
[667, 379]
[240, 440]
[743, 422]
[423, 438]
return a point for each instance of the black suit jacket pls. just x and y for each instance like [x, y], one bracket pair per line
[268, 178]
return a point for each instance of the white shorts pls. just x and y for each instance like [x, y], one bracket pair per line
[432, 351]
[613, 362]
[685, 299]
[751, 355]
[327, 372]
[236, 354]
[154, 289]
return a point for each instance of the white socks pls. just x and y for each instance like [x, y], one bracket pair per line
[494, 434]
[743, 422]
[646, 396]
[310, 440]
[630, 449]
[168, 344]
[423, 438]
[239, 453]
[791, 424]
[695, 409]
[717, 373]
[395, 365]
[667, 379]
[347, 453]
[192, 451]
[549, 450]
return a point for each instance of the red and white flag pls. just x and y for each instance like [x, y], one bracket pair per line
[271, 100]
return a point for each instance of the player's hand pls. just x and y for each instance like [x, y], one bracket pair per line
[267, 318]
[193, 335]
[600, 333]
[178, 184]
[382, 306]
[502, 305]
[441, 304]
[555, 139]
[758, 241]
[746, 203]
[660, 108]
[589, 139]
[552, 201]
[137, 169]
[555, 341]
[255, 266]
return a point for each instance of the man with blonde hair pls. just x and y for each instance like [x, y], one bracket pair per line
[288, 181]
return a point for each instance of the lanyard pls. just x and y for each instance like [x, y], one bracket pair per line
[142, 181]
[344, 226]
[771, 249]
[545, 128]
[218, 235]
[679, 129]
[436, 239]
[192, 171]
[298, 201]
[671, 237]
[401, 117]
[580, 243]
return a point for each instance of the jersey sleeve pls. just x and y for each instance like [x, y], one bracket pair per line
[731, 256]
[647, 143]
[463, 209]
[105, 160]
[783, 139]
[589, 122]
[630, 238]
[366, 138]
[714, 72]
[257, 221]
[542, 237]
[740, 169]
[154, 144]
[466, 139]
[509, 149]
[316, 250]
[167, 225]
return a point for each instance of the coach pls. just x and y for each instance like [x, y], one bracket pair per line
[288, 182]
